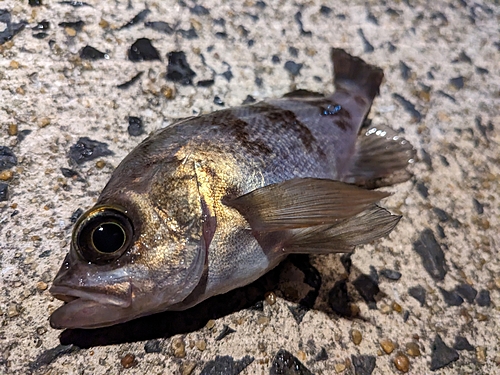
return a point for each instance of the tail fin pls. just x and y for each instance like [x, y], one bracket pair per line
[351, 71]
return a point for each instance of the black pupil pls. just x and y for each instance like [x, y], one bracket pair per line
[108, 237]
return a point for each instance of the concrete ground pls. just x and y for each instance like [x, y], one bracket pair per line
[439, 270]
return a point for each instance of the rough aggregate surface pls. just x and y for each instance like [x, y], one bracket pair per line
[73, 74]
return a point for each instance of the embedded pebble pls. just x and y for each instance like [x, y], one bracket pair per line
[226, 330]
[187, 368]
[286, 363]
[363, 364]
[135, 126]
[201, 344]
[482, 299]
[431, 254]
[128, 361]
[179, 347]
[338, 299]
[388, 346]
[12, 129]
[41, 286]
[7, 158]
[390, 274]
[467, 292]
[270, 298]
[6, 175]
[12, 310]
[293, 68]
[339, 367]
[356, 336]
[4, 190]
[143, 50]
[367, 288]
[419, 293]
[86, 149]
[451, 298]
[226, 365]
[210, 324]
[178, 69]
[461, 343]
[402, 362]
[412, 349]
[441, 354]
[91, 53]
[152, 346]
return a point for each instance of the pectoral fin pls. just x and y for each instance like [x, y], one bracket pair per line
[302, 202]
[309, 215]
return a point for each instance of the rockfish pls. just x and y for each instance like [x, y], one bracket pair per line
[211, 203]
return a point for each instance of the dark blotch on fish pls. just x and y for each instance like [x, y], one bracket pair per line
[91, 53]
[86, 149]
[431, 254]
[226, 365]
[143, 50]
[363, 364]
[178, 69]
[285, 363]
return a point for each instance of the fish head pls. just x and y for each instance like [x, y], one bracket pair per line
[133, 254]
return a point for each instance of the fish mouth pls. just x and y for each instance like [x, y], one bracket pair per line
[85, 309]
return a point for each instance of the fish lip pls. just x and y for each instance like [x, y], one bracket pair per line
[68, 294]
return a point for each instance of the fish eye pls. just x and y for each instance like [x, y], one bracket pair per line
[102, 234]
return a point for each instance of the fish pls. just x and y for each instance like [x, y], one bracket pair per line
[213, 202]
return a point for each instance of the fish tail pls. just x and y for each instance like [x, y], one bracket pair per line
[349, 71]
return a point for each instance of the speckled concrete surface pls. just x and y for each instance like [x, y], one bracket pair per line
[50, 97]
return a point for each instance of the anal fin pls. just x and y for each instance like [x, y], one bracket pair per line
[381, 159]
